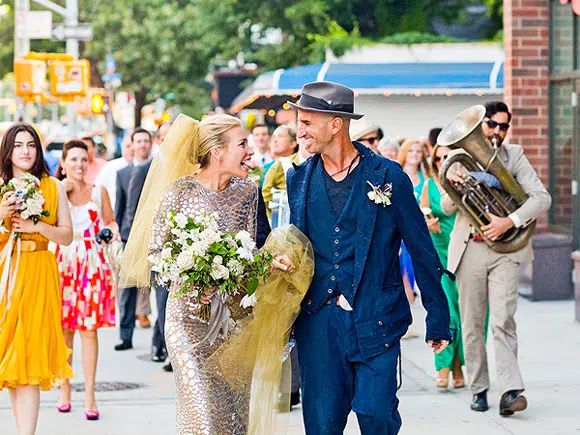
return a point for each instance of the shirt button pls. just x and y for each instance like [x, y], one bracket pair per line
[336, 241]
[387, 345]
[330, 291]
[337, 229]
[380, 323]
[333, 278]
[336, 254]
[336, 266]
[310, 302]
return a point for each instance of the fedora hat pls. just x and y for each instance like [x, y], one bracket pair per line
[327, 97]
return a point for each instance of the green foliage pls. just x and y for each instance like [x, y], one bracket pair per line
[418, 38]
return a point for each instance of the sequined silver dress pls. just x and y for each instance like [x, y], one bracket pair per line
[205, 405]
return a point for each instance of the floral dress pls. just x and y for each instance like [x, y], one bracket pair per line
[88, 299]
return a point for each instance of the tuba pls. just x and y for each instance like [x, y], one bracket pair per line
[476, 198]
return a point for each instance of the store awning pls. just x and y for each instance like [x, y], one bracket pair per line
[484, 78]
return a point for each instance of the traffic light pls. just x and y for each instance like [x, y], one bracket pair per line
[100, 103]
[97, 103]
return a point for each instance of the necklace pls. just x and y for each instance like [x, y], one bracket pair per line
[349, 166]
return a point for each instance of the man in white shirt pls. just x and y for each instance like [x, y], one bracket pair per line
[260, 142]
[108, 175]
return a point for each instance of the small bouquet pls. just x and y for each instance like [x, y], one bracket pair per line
[29, 199]
[198, 257]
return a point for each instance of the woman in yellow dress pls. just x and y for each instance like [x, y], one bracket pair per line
[33, 353]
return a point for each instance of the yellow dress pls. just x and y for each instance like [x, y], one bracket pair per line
[32, 346]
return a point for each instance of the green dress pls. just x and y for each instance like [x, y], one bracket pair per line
[441, 242]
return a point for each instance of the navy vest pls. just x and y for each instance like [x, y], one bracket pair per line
[333, 238]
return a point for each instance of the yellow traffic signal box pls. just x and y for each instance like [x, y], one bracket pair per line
[69, 79]
[29, 77]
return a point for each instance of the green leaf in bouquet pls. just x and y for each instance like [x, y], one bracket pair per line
[252, 285]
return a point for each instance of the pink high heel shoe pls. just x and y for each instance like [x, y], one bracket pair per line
[64, 408]
[91, 415]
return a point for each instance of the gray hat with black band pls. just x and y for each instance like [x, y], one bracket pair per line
[327, 97]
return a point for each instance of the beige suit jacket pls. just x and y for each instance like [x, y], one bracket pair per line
[538, 202]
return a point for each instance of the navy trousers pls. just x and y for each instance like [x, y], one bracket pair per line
[127, 310]
[336, 378]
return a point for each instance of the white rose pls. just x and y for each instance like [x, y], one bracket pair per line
[246, 254]
[185, 260]
[34, 206]
[218, 259]
[181, 220]
[25, 214]
[246, 239]
[166, 253]
[219, 271]
[248, 301]
[210, 236]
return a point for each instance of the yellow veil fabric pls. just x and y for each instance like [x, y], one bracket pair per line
[252, 362]
[177, 158]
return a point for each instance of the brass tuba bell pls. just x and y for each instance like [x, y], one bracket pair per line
[475, 198]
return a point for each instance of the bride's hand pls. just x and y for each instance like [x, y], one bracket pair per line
[207, 295]
[283, 262]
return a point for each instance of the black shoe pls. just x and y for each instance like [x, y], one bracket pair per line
[479, 402]
[294, 399]
[158, 355]
[168, 368]
[512, 401]
[124, 345]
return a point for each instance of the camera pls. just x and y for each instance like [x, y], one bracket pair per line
[106, 235]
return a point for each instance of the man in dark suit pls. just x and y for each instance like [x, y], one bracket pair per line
[356, 207]
[129, 187]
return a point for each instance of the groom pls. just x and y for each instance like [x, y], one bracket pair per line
[356, 311]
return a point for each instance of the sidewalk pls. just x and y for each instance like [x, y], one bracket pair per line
[549, 357]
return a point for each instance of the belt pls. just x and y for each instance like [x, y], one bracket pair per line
[31, 246]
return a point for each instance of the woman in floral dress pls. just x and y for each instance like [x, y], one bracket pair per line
[88, 301]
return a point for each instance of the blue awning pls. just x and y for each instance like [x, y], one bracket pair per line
[381, 78]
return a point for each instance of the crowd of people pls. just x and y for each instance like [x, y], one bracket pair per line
[93, 208]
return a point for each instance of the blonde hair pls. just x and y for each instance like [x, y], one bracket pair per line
[385, 144]
[406, 147]
[213, 134]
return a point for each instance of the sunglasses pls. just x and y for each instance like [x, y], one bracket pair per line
[437, 159]
[503, 126]
[370, 140]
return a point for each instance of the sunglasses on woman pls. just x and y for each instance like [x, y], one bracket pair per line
[503, 126]
[437, 159]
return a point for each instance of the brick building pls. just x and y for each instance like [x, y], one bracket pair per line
[542, 79]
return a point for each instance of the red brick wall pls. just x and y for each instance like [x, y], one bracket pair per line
[527, 45]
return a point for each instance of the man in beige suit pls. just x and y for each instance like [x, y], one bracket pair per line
[487, 277]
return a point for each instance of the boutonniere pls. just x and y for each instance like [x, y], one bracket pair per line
[381, 195]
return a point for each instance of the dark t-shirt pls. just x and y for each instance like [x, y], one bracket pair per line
[339, 191]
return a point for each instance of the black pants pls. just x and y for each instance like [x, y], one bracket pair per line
[127, 310]
[161, 295]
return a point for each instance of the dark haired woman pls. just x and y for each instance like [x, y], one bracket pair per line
[88, 300]
[33, 353]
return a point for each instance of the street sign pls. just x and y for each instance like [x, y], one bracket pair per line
[34, 25]
[80, 32]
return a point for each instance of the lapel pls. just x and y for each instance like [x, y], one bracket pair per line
[374, 173]
[297, 199]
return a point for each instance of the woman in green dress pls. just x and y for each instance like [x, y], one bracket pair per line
[440, 226]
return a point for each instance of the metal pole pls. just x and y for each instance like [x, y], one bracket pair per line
[72, 47]
[21, 44]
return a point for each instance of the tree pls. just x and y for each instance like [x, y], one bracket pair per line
[156, 46]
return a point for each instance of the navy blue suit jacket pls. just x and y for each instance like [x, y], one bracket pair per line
[381, 310]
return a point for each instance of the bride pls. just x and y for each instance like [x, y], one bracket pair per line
[202, 168]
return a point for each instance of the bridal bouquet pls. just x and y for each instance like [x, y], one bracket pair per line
[29, 197]
[198, 257]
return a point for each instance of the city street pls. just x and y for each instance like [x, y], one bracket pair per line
[549, 355]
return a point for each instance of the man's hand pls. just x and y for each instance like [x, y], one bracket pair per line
[497, 227]
[438, 346]
[457, 178]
